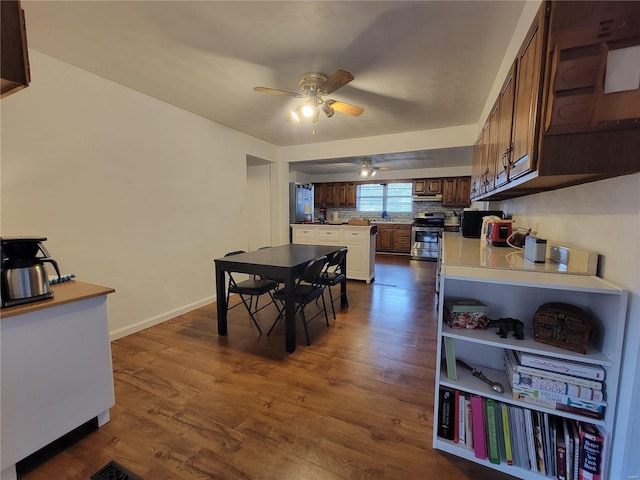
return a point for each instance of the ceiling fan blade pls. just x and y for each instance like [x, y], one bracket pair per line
[347, 108]
[274, 91]
[339, 79]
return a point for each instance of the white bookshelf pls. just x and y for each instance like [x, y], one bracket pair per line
[518, 294]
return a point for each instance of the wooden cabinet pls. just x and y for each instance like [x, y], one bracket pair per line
[335, 194]
[402, 238]
[554, 125]
[384, 241]
[517, 294]
[456, 191]
[427, 186]
[14, 60]
[394, 237]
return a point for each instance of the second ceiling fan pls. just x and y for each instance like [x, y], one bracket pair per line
[313, 87]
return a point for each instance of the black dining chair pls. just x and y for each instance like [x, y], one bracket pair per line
[333, 275]
[252, 288]
[308, 287]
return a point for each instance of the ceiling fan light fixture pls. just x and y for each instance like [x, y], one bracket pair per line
[308, 110]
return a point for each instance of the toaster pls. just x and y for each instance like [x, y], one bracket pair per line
[498, 232]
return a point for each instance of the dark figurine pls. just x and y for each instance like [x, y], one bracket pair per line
[506, 324]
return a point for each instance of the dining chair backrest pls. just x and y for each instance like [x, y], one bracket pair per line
[313, 270]
[337, 258]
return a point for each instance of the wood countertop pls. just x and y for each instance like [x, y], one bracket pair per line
[66, 292]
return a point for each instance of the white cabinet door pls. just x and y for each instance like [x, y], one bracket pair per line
[307, 235]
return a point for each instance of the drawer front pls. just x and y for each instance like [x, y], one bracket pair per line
[356, 235]
[304, 235]
[328, 235]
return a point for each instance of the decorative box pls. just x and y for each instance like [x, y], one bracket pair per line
[466, 313]
[562, 325]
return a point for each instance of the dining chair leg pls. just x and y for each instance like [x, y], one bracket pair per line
[324, 305]
[306, 328]
[248, 307]
[333, 309]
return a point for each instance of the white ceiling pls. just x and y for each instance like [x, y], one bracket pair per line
[417, 65]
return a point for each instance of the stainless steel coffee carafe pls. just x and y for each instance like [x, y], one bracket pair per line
[24, 277]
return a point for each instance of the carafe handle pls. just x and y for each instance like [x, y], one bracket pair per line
[54, 263]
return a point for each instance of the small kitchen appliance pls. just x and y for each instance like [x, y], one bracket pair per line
[471, 222]
[498, 232]
[23, 277]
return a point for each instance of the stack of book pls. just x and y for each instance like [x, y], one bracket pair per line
[553, 446]
[573, 387]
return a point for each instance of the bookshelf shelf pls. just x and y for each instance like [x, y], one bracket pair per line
[518, 294]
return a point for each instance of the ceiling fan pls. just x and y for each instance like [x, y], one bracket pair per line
[367, 169]
[313, 87]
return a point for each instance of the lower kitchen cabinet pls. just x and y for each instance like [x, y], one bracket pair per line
[394, 238]
[359, 240]
[517, 293]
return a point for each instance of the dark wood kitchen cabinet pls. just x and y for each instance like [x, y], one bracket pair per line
[335, 194]
[14, 59]
[384, 239]
[456, 192]
[402, 238]
[427, 186]
[564, 129]
[319, 194]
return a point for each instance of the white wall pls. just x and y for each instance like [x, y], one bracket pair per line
[131, 192]
[258, 206]
[603, 217]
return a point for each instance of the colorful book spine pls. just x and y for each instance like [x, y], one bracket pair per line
[506, 433]
[461, 418]
[450, 358]
[479, 432]
[591, 452]
[446, 409]
[468, 422]
[568, 367]
[554, 400]
[539, 444]
[583, 382]
[549, 384]
[576, 448]
[561, 450]
[493, 451]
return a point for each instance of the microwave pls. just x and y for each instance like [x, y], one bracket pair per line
[471, 221]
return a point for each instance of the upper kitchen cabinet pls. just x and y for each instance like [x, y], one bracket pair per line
[567, 113]
[427, 186]
[335, 194]
[14, 60]
[456, 192]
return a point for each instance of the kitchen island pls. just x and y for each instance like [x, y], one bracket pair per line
[56, 370]
[359, 239]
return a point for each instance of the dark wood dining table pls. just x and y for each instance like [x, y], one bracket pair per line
[284, 264]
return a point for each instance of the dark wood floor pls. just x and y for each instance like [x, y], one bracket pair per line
[356, 404]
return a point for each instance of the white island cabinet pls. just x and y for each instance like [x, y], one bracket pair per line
[359, 240]
[512, 288]
[56, 369]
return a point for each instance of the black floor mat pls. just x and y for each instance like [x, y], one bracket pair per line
[114, 471]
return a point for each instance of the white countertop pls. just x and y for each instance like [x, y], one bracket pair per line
[472, 252]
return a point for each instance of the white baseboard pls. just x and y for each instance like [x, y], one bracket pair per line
[150, 322]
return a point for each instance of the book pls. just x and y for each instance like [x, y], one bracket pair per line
[479, 432]
[450, 358]
[561, 450]
[506, 434]
[568, 441]
[550, 444]
[591, 452]
[446, 408]
[583, 382]
[542, 383]
[500, 434]
[456, 414]
[518, 448]
[573, 426]
[461, 418]
[491, 422]
[593, 372]
[468, 422]
[556, 401]
[532, 455]
[538, 442]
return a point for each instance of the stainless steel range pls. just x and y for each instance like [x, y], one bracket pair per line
[426, 232]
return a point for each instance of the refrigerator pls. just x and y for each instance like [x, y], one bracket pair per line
[300, 203]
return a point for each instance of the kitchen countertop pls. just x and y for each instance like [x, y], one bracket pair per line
[66, 292]
[472, 252]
